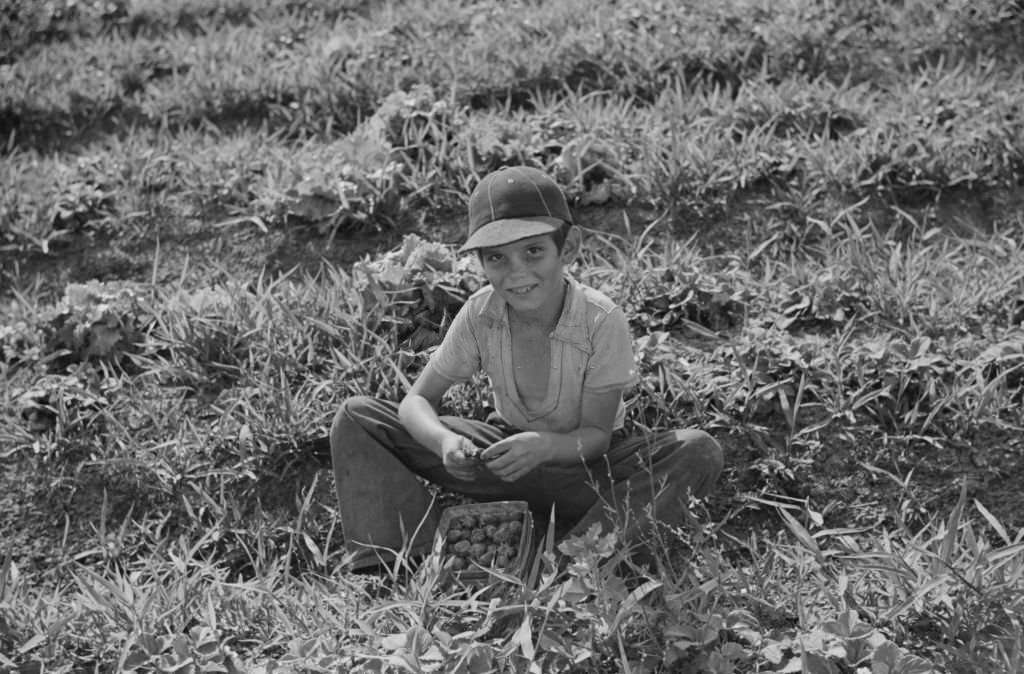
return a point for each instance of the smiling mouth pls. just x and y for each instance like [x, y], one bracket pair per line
[523, 290]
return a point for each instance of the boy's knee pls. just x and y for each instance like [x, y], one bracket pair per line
[354, 405]
[697, 453]
[346, 420]
[698, 445]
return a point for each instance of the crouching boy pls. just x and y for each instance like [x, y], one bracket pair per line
[558, 355]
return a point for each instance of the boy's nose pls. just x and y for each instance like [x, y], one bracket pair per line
[517, 264]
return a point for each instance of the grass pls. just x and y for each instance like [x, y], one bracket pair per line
[811, 216]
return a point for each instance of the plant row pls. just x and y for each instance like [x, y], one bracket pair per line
[26, 25]
[918, 340]
[302, 74]
[811, 148]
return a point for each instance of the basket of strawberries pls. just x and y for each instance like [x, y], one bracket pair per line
[473, 540]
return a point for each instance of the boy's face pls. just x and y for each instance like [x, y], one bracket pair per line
[527, 274]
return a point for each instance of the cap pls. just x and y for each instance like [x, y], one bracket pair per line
[513, 203]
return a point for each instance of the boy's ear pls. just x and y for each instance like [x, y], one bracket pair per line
[572, 245]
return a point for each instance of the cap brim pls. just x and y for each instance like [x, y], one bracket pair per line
[501, 232]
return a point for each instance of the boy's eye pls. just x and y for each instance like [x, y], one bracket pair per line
[535, 250]
[494, 257]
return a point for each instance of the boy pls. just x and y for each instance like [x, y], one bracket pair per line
[558, 355]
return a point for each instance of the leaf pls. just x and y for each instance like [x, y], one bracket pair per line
[598, 194]
[734, 651]
[952, 527]
[393, 642]
[774, 652]
[884, 659]
[524, 638]
[9, 575]
[318, 556]
[632, 601]
[31, 643]
[844, 626]
[402, 660]
[813, 663]
[181, 647]
[432, 654]
[170, 664]
[152, 644]
[102, 340]
[475, 659]
[801, 534]
[993, 521]
[314, 206]
[136, 658]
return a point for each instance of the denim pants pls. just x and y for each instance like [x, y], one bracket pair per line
[640, 478]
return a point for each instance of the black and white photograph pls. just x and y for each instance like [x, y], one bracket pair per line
[512, 336]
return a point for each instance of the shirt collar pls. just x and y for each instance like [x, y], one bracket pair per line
[568, 328]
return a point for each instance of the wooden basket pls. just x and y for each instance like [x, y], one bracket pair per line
[477, 575]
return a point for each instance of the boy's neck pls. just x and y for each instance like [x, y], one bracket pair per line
[545, 317]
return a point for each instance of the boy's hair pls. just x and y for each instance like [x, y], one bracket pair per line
[558, 236]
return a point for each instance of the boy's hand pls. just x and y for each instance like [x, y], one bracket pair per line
[514, 457]
[457, 452]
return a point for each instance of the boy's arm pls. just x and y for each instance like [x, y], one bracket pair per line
[592, 438]
[418, 409]
[418, 413]
[515, 456]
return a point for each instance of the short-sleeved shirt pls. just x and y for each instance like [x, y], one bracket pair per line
[591, 350]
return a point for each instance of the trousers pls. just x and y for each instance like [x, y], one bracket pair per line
[639, 480]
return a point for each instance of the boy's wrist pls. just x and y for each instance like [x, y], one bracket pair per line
[547, 447]
[445, 437]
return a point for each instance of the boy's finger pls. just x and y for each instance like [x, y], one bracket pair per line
[500, 463]
[492, 453]
[509, 472]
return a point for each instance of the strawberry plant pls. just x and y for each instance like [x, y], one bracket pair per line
[493, 143]
[95, 322]
[914, 375]
[413, 121]
[72, 399]
[844, 644]
[418, 288]
[828, 300]
[354, 193]
[201, 649]
[43, 211]
[78, 204]
[1001, 365]
[673, 299]
[20, 343]
[361, 182]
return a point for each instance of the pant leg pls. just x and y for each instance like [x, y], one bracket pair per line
[376, 462]
[646, 478]
[380, 502]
